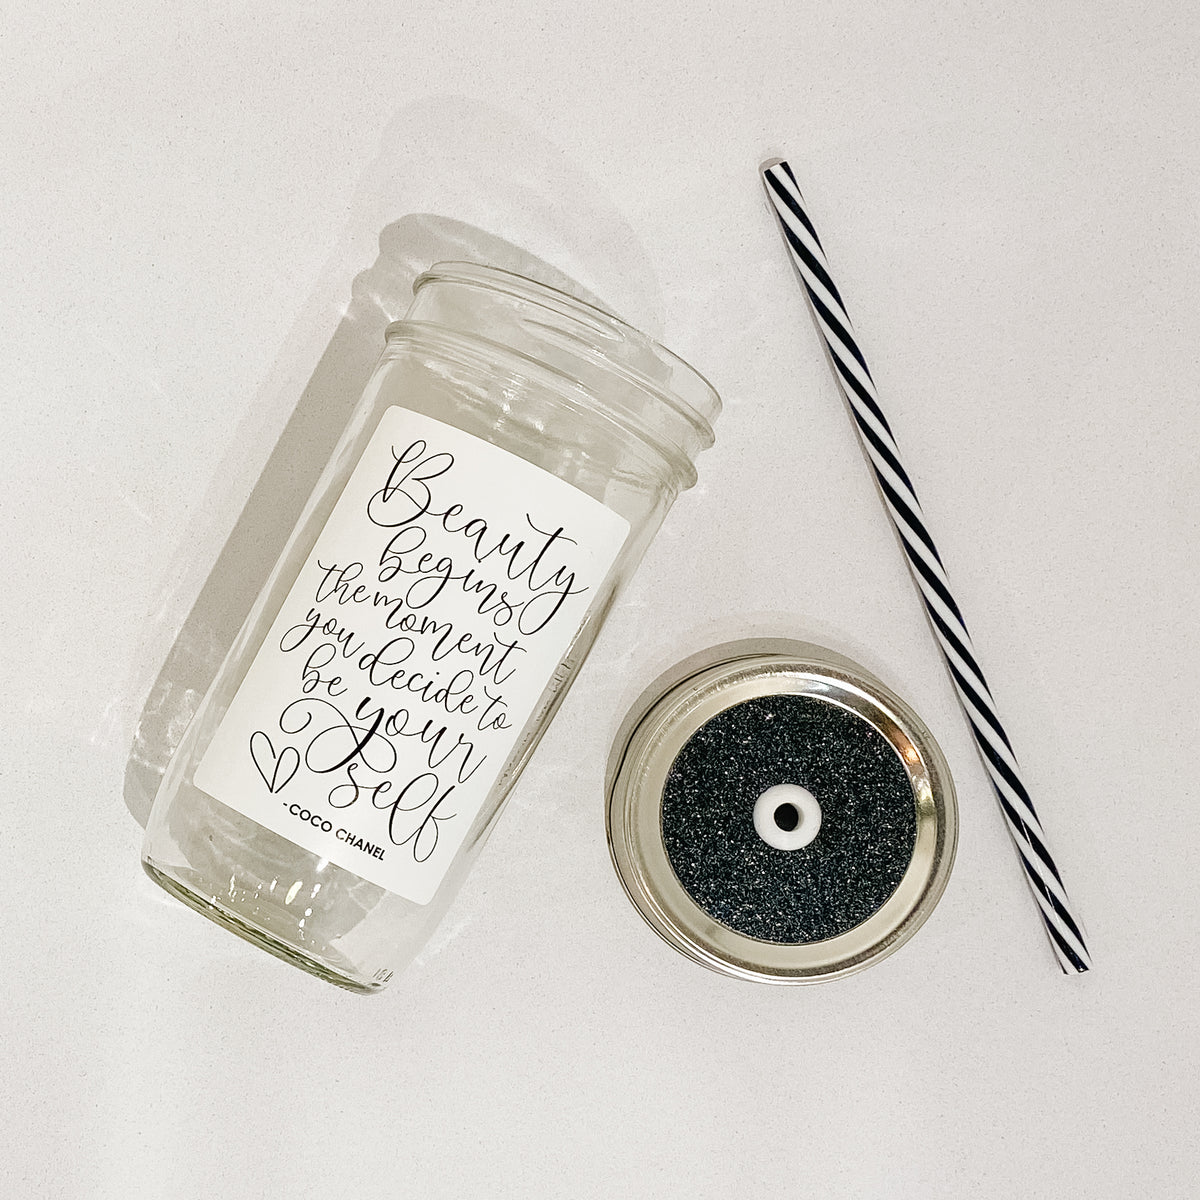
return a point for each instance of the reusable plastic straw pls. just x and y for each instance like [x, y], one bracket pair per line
[854, 380]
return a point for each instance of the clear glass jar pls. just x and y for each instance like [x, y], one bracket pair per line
[511, 458]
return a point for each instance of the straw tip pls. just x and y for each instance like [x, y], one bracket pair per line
[764, 167]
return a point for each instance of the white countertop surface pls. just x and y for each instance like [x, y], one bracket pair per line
[1008, 194]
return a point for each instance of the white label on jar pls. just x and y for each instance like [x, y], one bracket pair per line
[416, 642]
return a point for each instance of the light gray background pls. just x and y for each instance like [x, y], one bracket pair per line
[1008, 194]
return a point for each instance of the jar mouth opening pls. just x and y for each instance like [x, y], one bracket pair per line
[480, 354]
[681, 387]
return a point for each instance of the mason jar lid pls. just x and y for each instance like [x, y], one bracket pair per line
[776, 814]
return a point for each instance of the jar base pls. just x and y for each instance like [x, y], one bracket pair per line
[255, 935]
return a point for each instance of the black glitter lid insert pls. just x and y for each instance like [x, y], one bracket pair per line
[868, 819]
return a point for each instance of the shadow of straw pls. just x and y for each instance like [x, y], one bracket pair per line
[380, 295]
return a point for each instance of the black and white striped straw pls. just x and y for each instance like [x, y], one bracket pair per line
[854, 379]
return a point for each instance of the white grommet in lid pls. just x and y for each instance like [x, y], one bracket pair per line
[787, 816]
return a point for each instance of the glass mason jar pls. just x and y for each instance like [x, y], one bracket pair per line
[511, 458]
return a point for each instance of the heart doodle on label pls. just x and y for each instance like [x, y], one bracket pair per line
[276, 770]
